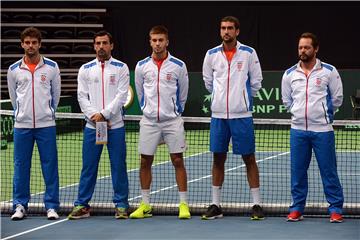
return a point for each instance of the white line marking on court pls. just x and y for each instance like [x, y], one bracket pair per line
[208, 176]
[35, 229]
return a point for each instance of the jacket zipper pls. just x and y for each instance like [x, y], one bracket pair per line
[102, 82]
[227, 91]
[306, 100]
[33, 97]
[158, 93]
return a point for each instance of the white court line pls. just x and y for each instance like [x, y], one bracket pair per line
[208, 176]
[131, 170]
[34, 229]
[153, 192]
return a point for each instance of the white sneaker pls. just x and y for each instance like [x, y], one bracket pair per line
[19, 214]
[51, 214]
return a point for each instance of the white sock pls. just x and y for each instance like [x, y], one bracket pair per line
[255, 193]
[145, 194]
[183, 196]
[216, 195]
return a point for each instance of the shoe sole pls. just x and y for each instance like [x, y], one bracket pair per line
[295, 219]
[257, 218]
[146, 215]
[79, 217]
[17, 218]
[336, 221]
[211, 218]
[53, 218]
[185, 217]
[121, 217]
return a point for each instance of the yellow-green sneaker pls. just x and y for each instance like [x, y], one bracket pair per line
[184, 212]
[143, 211]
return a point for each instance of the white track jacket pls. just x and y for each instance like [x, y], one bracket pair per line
[103, 88]
[34, 97]
[162, 93]
[312, 100]
[233, 85]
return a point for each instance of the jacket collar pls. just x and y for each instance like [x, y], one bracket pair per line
[23, 64]
[316, 66]
[106, 62]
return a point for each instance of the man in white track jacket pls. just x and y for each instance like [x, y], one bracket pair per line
[34, 89]
[232, 74]
[102, 92]
[162, 87]
[312, 92]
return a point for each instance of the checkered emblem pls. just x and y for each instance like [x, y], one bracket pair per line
[43, 77]
[318, 82]
[168, 76]
[112, 80]
[239, 66]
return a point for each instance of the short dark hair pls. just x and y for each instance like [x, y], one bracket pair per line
[31, 32]
[159, 29]
[315, 41]
[103, 33]
[231, 19]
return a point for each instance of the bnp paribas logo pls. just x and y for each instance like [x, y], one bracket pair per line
[206, 104]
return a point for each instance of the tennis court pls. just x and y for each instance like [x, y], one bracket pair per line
[273, 159]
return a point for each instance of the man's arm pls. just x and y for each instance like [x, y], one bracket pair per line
[286, 91]
[208, 73]
[139, 85]
[336, 89]
[183, 87]
[255, 73]
[83, 94]
[56, 88]
[11, 82]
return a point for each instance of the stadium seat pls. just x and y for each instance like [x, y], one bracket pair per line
[62, 63]
[67, 18]
[355, 103]
[23, 18]
[11, 33]
[4, 17]
[90, 18]
[86, 34]
[77, 63]
[12, 48]
[83, 49]
[59, 48]
[63, 33]
[45, 18]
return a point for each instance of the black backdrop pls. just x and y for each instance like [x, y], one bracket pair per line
[272, 28]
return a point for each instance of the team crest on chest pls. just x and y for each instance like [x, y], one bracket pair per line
[112, 80]
[239, 65]
[168, 76]
[318, 82]
[43, 79]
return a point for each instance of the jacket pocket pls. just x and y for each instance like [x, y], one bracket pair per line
[17, 110]
[51, 110]
[325, 115]
[175, 108]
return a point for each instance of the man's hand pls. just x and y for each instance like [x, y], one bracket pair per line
[97, 117]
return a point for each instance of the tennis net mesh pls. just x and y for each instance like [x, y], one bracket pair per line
[272, 155]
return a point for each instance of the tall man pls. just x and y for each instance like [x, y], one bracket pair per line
[232, 73]
[102, 91]
[34, 89]
[162, 87]
[312, 92]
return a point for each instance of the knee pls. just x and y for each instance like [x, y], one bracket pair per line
[178, 162]
[145, 164]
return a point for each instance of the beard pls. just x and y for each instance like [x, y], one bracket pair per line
[227, 39]
[102, 54]
[306, 58]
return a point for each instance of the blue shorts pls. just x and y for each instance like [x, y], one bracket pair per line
[241, 131]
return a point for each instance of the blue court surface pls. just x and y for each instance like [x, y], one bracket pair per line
[275, 189]
[169, 227]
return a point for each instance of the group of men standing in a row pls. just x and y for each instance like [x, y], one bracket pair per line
[311, 90]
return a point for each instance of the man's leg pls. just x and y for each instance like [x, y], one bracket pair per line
[23, 148]
[90, 160]
[117, 153]
[324, 148]
[300, 151]
[46, 142]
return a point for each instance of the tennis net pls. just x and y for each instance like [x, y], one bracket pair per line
[272, 155]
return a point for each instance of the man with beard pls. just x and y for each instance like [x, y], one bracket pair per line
[162, 87]
[102, 91]
[312, 92]
[232, 73]
[34, 89]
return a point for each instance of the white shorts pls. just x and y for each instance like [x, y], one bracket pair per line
[154, 133]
